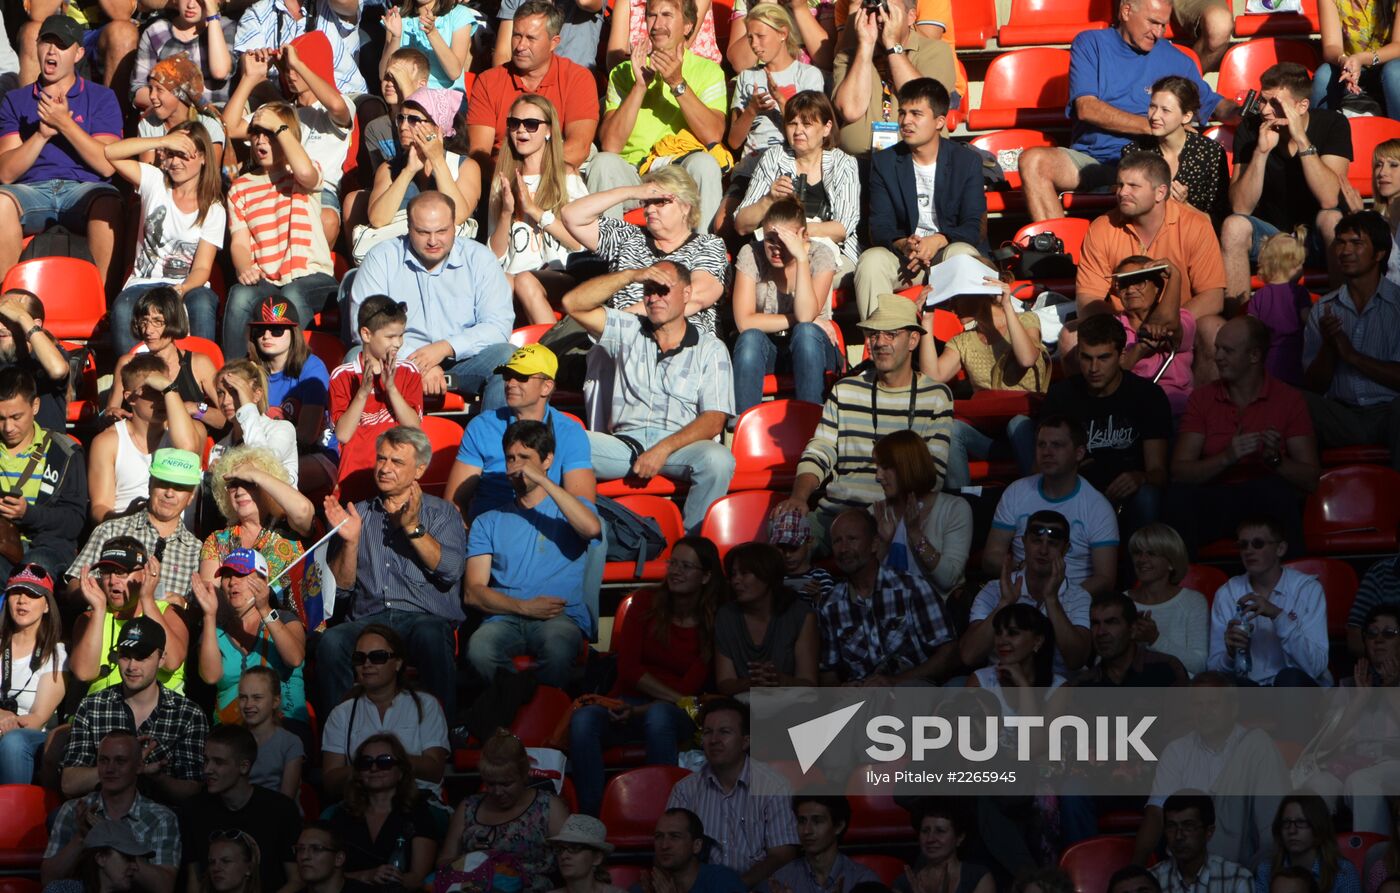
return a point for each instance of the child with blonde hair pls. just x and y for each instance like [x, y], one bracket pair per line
[1282, 304]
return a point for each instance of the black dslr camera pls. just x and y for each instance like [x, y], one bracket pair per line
[1046, 243]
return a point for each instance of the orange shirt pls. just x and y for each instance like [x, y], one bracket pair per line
[571, 87]
[1186, 238]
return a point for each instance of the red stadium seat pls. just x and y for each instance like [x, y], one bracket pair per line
[1007, 146]
[1205, 579]
[23, 830]
[1025, 88]
[991, 410]
[1280, 24]
[19, 885]
[83, 407]
[976, 23]
[1354, 844]
[634, 800]
[784, 386]
[1090, 863]
[1223, 134]
[446, 436]
[768, 440]
[1037, 22]
[1339, 583]
[530, 334]
[195, 344]
[1245, 62]
[327, 347]
[72, 291]
[886, 868]
[1366, 134]
[534, 725]
[1071, 231]
[738, 518]
[1355, 509]
[1370, 454]
[875, 819]
[668, 518]
[620, 615]
[627, 875]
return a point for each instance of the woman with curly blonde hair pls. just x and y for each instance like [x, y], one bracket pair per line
[264, 511]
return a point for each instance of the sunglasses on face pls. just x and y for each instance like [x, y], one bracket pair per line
[512, 375]
[378, 657]
[383, 762]
[1256, 543]
[255, 132]
[1388, 633]
[276, 331]
[410, 119]
[35, 569]
[656, 202]
[530, 124]
[1048, 532]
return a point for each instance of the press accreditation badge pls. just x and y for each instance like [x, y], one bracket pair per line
[883, 134]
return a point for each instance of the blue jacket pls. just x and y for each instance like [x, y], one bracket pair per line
[959, 197]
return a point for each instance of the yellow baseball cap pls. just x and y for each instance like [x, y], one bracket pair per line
[532, 359]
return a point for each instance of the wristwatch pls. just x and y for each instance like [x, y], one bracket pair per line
[678, 90]
[272, 616]
[170, 388]
[1310, 150]
[33, 330]
[278, 131]
[896, 50]
[547, 219]
[416, 533]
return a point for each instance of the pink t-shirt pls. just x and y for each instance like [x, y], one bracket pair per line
[1176, 381]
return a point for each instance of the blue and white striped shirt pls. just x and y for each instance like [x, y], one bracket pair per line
[267, 23]
[1372, 331]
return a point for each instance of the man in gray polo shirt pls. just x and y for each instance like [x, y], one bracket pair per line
[672, 388]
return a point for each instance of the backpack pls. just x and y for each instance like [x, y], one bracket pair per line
[57, 242]
[630, 536]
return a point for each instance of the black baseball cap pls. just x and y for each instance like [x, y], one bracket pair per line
[61, 30]
[141, 637]
[125, 553]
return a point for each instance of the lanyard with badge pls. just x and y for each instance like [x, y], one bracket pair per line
[884, 133]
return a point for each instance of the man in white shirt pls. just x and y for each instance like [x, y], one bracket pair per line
[1189, 823]
[1268, 626]
[1092, 560]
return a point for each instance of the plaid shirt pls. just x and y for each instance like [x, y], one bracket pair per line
[178, 562]
[154, 825]
[1218, 875]
[177, 725]
[900, 627]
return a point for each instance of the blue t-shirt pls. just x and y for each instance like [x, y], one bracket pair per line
[533, 552]
[310, 388]
[711, 879]
[95, 109]
[1104, 65]
[481, 446]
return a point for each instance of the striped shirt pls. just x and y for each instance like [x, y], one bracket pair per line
[745, 822]
[13, 465]
[1381, 585]
[840, 178]
[656, 392]
[857, 414]
[900, 627]
[388, 572]
[626, 246]
[1218, 875]
[283, 222]
[267, 23]
[1371, 331]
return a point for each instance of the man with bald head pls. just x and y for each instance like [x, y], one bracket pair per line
[1246, 445]
[459, 306]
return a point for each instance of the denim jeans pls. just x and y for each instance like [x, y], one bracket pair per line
[477, 375]
[309, 293]
[201, 304]
[968, 443]
[807, 352]
[1382, 84]
[553, 643]
[67, 203]
[591, 731]
[706, 464]
[430, 645]
[19, 753]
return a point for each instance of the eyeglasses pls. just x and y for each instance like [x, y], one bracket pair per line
[150, 322]
[530, 124]
[512, 375]
[882, 336]
[411, 119]
[1388, 633]
[1048, 532]
[35, 569]
[686, 566]
[277, 331]
[657, 202]
[383, 762]
[1256, 543]
[378, 657]
[573, 848]
[1294, 824]
[311, 849]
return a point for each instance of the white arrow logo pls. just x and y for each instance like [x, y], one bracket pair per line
[810, 739]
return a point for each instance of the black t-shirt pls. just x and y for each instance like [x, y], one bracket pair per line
[1286, 201]
[1116, 425]
[361, 852]
[53, 395]
[270, 818]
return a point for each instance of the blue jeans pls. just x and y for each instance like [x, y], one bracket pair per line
[67, 203]
[1021, 432]
[19, 752]
[430, 645]
[554, 644]
[706, 464]
[309, 293]
[591, 731]
[807, 352]
[202, 305]
[477, 375]
[1381, 83]
[967, 443]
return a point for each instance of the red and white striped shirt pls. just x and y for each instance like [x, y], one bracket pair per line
[283, 221]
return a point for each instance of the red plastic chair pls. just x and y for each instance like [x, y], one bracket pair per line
[74, 297]
[668, 518]
[327, 347]
[634, 800]
[530, 334]
[194, 344]
[874, 816]
[1280, 24]
[1071, 231]
[1223, 134]
[1355, 510]
[886, 868]
[23, 831]
[83, 406]
[1025, 88]
[738, 518]
[976, 23]
[534, 725]
[1366, 134]
[1038, 22]
[1015, 140]
[1370, 454]
[1354, 844]
[1090, 863]
[768, 440]
[1339, 583]
[627, 875]
[446, 437]
[1245, 62]
[19, 885]
[620, 615]
[1205, 579]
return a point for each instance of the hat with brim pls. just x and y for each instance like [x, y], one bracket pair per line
[893, 314]
[531, 359]
[242, 562]
[26, 579]
[584, 830]
[125, 553]
[179, 467]
[109, 834]
[276, 310]
[141, 636]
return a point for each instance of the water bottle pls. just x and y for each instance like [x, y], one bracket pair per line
[399, 857]
[1244, 664]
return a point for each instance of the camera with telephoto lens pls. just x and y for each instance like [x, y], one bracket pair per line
[1046, 243]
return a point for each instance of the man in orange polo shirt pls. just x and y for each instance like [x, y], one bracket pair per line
[1149, 222]
[533, 68]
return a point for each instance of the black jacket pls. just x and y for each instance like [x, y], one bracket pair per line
[55, 520]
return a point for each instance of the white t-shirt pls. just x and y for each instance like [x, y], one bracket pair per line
[1073, 599]
[1092, 522]
[24, 685]
[530, 247]
[149, 127]
[167, 238]
[325, 141]
[767, 127]
[924, 175]
[343, 734]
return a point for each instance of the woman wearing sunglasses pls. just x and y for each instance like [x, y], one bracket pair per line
[264, 511]
[31, 641]
[233, 864]
[432, 156]
[382, 701]
[389, 833]
[532, 184]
